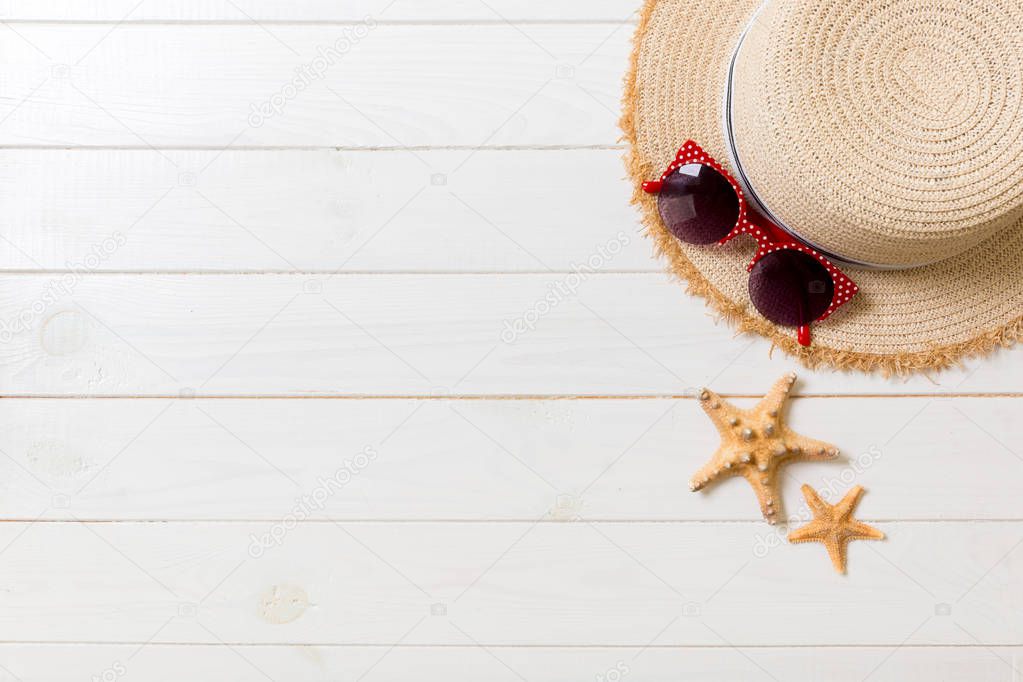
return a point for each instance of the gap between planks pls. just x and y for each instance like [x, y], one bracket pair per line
[626, 21]
[313, 148]
[486, 397]
[385, 645]
[326, 272]
[475, 522]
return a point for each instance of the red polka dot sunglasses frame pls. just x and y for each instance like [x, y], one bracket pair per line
[790, 283]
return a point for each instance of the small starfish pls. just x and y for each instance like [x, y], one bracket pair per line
[834, 525]
[755, 443]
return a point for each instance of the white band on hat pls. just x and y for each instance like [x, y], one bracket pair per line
[747, 187]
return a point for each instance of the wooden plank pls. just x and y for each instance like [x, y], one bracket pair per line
[308, 85]
[129, 11]
[84, 334]
[559, 460]
[318, 210]
[162, 663]
[506, 584]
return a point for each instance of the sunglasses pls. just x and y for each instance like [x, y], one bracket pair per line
[790, 283]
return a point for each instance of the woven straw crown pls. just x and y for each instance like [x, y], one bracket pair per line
[889, 133]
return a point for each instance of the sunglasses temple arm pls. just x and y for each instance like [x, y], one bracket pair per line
[803, 331]
[803, 335]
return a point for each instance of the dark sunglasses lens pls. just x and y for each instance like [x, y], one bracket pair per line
[790, 288]
[698, 205]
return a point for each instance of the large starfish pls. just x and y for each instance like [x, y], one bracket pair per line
[834, 525]
[755, 443]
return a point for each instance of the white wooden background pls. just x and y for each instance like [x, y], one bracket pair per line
[205, 319]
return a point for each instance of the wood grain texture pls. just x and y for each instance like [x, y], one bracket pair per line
[561, 460]
[319, 210]
[508, 583]
[593, 334]
[162, 663]
[129, 11]
[396, 86]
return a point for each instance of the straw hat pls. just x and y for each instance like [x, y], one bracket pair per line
[888, 133]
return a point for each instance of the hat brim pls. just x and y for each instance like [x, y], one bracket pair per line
[901, 321]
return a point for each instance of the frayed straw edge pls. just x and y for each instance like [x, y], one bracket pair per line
[899, 364]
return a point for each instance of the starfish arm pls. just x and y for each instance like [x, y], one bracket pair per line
[810, 449]
[770, 503]
[811, 532]
[836, 550]
[720, 411]
[819, 507]
[707, 473]
[844, 509]
[775, 398]
[862, 531]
